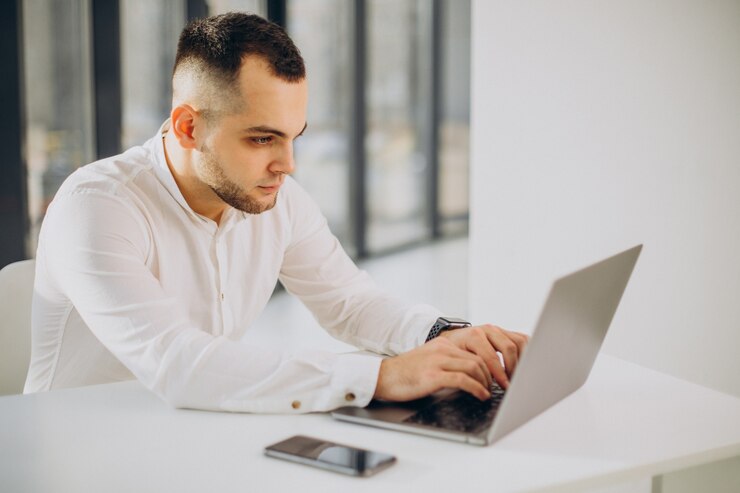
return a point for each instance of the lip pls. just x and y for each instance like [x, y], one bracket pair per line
[271, 188]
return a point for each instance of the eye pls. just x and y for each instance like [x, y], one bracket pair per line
[262, 140]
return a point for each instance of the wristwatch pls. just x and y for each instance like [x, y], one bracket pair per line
[446, 323]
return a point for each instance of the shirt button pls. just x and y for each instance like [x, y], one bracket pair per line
[222, 296]
[295, 404]
[349, 397]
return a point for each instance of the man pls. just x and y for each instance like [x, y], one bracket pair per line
[153, 263]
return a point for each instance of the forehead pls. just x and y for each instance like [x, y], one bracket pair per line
[270, 100]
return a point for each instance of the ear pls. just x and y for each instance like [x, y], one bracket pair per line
[183, 121]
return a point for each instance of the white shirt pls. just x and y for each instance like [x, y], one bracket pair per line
[131, 281]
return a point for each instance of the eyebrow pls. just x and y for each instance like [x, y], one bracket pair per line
[269, 130]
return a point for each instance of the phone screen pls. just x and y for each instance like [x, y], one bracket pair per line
[329, 455]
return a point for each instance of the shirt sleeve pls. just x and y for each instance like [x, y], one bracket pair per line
[96, 247]
[343, 298]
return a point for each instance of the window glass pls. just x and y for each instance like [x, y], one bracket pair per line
[397, 88]
[149, 34]
[320, 29]
[59, 99]
[454, 131]
[258, 7]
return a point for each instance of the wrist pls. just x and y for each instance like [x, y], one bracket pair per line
[445, 324]
[384, 379]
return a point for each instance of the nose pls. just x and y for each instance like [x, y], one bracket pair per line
[284, 161]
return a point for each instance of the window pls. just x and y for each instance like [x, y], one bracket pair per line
[258, 7]
[386, 151]
[320, 28]
[454, 125]
[58, 93]
[397, 168]
[149, 34]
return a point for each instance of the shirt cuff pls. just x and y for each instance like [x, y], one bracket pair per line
[426, 322]
[354, 378]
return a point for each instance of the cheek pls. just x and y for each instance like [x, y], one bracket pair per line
[242, 170]
[251, 161]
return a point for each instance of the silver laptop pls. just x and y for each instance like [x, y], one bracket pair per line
[556, 362]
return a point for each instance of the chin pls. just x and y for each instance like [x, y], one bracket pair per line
[251, 205]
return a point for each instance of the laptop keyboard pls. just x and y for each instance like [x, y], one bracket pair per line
[460, 412]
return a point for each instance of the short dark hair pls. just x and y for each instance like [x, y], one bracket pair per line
[221, 42]
[211, 51]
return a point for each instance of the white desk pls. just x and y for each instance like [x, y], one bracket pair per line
[626, 423]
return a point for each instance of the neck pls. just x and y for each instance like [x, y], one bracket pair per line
[197, 194]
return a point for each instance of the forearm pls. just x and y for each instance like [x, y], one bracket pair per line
[353, 309]
[224, 375]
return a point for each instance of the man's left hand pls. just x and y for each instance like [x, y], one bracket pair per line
[487, 341]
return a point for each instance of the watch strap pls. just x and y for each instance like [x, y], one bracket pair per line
[446, 323]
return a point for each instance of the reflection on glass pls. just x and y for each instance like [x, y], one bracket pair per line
[397, 88]
[320, 29]
[454, 132]
[149, 33]
[258, 7]
[58, 99]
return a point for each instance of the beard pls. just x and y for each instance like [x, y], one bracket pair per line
[212, 174]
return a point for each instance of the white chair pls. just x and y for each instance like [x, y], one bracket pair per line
[16, 290]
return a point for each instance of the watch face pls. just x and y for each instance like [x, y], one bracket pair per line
[454, 321]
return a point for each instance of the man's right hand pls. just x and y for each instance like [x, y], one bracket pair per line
[433, 366]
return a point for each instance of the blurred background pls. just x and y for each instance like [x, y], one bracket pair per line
[387, 150]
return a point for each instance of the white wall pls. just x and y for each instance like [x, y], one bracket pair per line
[598, 125]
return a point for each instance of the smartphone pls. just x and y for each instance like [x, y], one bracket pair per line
[330, 455]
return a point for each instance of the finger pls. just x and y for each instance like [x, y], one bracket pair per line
[478, 344]
[457, 380]
[451, 350]
[469, 364]
[520, 340]
[481, 364]
[498, 371]
[506, 346]
[509, 352]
